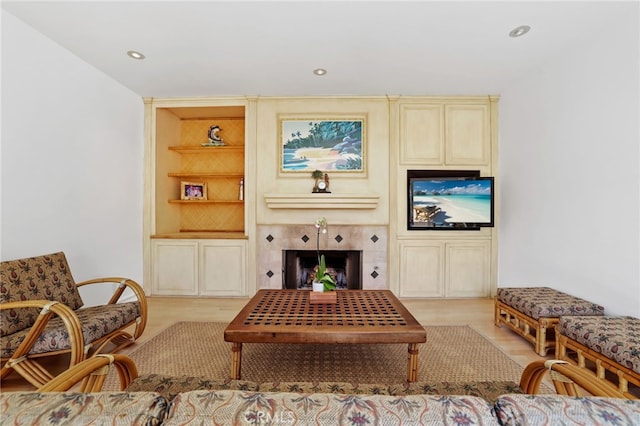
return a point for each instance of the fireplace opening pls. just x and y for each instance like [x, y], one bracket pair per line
[345, 266]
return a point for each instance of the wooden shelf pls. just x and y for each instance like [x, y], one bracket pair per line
[206, 201]
[192, 149]
[203, 235]
[207, 175]
[322, 201]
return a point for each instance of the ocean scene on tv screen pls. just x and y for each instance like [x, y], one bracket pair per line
[442, 203]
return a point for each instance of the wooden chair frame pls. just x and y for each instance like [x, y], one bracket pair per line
[534, 331]
[34, 372]
[91, 374]
[577, 354]
[567, 380]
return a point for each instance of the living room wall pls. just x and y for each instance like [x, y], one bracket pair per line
[569, 164]
[71, 160]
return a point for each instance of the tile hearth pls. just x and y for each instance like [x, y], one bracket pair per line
[273, 240]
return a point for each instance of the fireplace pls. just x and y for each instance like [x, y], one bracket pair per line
[345, 266]
[368, 240]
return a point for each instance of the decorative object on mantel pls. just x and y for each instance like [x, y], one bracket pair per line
[323, 283]
[320, 185]
[214, 138]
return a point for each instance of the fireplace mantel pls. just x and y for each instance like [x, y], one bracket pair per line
[319, 200]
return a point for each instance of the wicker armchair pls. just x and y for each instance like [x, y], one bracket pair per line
[42, 314]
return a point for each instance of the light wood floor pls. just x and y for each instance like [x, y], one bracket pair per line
[477, 313]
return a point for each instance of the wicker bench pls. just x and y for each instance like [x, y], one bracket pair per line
[533, 312]
[607, 346]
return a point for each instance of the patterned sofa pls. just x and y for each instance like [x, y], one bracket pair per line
[239, 403]
[533, 312]
[609, 346]
[42, 314]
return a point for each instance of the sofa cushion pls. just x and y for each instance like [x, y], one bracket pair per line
[488, 390]
[564, 410]
[239, 407]
[44, 277]
[545, 302]
[170, 386]
[96, 321]
[66, 408]
[617, 338]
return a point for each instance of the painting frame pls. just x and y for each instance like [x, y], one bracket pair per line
[330, 143]
[193, 190]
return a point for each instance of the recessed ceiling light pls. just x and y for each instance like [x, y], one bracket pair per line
[319, 71]
[519, 31]
[135, 55]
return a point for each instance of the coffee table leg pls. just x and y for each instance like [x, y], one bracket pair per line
[412, 368]
[236, 360]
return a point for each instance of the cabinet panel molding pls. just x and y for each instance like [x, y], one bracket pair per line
[223, 268]
[421, 269]
[421, 133]
[175, 268]
[468, 270]
[467, 138]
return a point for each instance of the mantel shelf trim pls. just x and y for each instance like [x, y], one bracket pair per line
[322, 201]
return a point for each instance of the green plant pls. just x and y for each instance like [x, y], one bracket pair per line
[323, 277]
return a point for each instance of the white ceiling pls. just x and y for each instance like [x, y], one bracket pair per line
[267, 48]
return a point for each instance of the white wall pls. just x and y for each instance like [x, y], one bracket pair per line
[569, 183]
[72, 158]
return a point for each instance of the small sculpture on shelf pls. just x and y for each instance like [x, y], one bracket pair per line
[214, 137]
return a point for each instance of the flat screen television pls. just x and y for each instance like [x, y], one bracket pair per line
[449, 200]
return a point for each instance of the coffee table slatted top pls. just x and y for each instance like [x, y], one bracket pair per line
[359, 316]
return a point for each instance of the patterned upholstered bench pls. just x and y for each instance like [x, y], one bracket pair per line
[532, 312]
[608, 346]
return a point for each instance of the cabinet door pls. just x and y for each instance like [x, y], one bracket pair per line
[421, 269]
[467, 138]
[421, 134]
[468, 269]
[223, 268]
[174, 268]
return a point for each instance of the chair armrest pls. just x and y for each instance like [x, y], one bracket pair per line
[565, 378]
[125, 283]
[92, 373]
[48, 309]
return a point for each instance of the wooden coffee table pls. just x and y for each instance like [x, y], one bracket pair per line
[359, 316]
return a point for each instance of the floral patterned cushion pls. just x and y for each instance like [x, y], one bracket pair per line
[617, 338]
[238, 407]
[564, 410]
[170, 386]
[102, 408]
[545, 302]
[44, 277]
[489, 391]
[96, 321]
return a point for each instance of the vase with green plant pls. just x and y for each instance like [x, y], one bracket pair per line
[323, 279]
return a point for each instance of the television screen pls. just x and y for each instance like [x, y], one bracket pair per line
[449, 200]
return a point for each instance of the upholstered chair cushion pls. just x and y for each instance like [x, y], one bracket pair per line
[36, 278]
[96, 322]
[545, 302]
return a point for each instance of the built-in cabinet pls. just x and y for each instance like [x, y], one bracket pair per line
[457, 133]
[195, 267]
[205, 247]
[438, 268]
[197, 244]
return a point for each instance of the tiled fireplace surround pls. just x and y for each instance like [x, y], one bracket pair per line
[371, 240]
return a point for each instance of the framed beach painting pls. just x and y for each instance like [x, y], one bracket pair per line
[325, 144]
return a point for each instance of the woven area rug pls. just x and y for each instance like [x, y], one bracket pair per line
[451, 354]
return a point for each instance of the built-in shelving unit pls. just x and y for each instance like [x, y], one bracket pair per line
[197, 247]
[181, 157]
